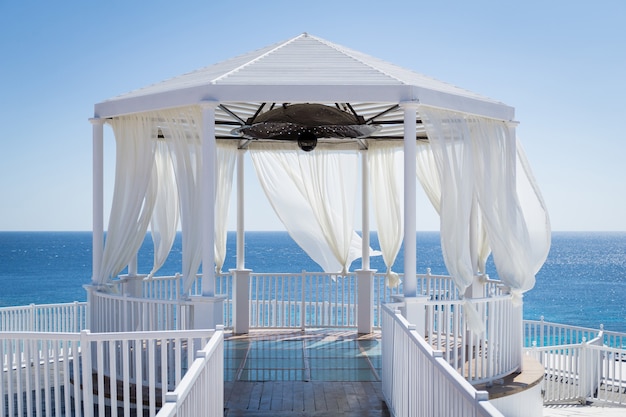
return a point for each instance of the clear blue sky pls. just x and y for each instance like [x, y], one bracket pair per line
[561, 64]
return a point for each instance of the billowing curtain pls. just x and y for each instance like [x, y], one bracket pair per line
[534, 209]
[134, 194]
[313, 194]
[165, 216]
[181, 130]
[497, 184]
[428, 176]
[452, 150]
[386, 178]
[226, 157]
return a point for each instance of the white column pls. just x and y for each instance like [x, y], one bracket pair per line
[410, 184]
[97, 196]
[365, 211]
[241, 256]
[209, 155]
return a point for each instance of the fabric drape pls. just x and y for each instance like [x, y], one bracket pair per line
[135, 193]
[453, 151]
[181, 130]
[313, 194]
[165, 215]
[386, 178]
[518, 253]
[226, 157]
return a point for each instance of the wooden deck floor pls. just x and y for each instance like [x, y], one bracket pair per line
[301, 398]
[294, 373]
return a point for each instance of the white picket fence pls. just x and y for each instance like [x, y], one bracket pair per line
[581, 364]
[419, 381]
[120, 313]
[479, 357]
[277, 300]
[201, 391]
[67, 317]
[97, 374]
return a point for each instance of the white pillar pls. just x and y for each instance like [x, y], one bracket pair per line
[209, 155]
[410, 184]
[241, 256]
[97, 196]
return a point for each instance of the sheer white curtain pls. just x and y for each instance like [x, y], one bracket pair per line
[452, 150]
[386, 177]
[181, 129]
[165, 216]
[134, 193]
[226, 157]
[497, 184]
[313, 194]
[428, 175]
[534, 209]
[452, 153]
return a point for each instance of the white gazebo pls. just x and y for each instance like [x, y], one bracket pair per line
[178, 140]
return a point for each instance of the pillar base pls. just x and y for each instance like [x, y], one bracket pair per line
[414, 311]
[208, 312]
[132, 285]
[241, 300]
[365, 300]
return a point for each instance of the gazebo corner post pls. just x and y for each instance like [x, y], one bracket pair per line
[241, 275]
[208, 309]
[415, 307]
[365, 276]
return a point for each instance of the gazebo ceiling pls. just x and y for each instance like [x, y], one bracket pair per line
[304, 69]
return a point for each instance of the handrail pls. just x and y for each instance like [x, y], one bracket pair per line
[201, 391]
[544, 333]
[65, 317]
[84, 370]
[435, 387]
[480, 357]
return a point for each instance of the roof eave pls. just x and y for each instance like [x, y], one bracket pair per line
[225, 93]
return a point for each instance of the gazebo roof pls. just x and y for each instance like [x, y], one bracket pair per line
[304, 69]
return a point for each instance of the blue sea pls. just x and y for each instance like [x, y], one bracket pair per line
[583, 281]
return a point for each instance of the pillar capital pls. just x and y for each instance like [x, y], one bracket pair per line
[209, 104]
[96, 121]
[409, 104]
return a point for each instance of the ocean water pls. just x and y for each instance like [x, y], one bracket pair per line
[583, 281]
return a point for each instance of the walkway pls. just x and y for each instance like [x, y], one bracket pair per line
[295, 373]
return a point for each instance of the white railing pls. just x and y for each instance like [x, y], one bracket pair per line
[485, 357]
[581, 364]
[120, 313]
[68, 317]
[87, 373]
[418, 381]
[277, 300]
[542, 333]
[303, 300]
[201, 391]
[583, 372]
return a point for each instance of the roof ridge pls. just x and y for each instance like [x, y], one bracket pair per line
[349, 52]
[281, 45]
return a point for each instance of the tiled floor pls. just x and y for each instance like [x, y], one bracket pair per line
[295, 373]
[302, 356]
